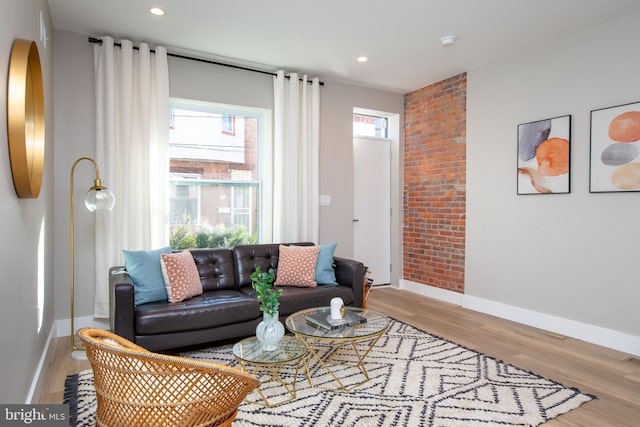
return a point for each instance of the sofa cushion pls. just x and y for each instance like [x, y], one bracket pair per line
[216, 268]
[297, 266]
[146, 274]
[325, 273]
[181, 277]
[211, 309]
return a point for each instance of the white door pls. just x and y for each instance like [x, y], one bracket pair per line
[372, 206]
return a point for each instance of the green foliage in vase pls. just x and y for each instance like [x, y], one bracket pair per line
[262, 283]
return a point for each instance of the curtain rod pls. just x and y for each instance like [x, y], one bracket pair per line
[206, 61]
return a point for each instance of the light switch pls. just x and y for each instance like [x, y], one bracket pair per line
[325, 200]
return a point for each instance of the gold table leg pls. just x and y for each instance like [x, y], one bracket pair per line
[274, 370]
[312, 343]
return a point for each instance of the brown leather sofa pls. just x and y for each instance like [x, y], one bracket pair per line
[228, 307]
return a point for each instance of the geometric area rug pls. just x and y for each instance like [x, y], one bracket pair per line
[417, 379]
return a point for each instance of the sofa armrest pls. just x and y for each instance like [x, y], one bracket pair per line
[351, 273]
[121, 303]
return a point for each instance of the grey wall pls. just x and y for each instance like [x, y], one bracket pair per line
[213, 83]
[574, 255]
[74, 130]
[21, 220]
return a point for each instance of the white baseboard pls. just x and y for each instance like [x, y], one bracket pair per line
[61, 328]
[43, 360]
[432, 292]
[583, 331]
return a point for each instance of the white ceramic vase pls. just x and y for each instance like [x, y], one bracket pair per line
[270, 332]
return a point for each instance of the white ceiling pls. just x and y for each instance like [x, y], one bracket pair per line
[324, 38]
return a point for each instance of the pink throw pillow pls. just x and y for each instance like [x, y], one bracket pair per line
[181, 276]
[297, 266]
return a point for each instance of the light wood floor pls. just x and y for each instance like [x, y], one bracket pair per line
[612, 376]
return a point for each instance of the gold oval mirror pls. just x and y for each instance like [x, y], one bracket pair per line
[25, 118]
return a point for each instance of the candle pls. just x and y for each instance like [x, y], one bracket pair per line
[337, 308]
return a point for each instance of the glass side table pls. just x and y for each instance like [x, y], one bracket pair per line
[348, 337]
[253, 359]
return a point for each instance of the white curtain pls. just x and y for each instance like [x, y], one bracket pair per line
[296, 158]
[132, 139]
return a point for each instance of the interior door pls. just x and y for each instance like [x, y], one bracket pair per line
[372, 206]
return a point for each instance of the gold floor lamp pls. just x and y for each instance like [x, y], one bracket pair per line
[98, 197]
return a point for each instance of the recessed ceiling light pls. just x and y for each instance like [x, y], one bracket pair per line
[448, 40]
[362, 59]
[156, 11]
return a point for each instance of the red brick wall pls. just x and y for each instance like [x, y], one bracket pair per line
[435, 184]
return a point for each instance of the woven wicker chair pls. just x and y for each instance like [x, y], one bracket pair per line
[135, 387]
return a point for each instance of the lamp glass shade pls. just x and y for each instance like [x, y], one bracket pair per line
[99, 199]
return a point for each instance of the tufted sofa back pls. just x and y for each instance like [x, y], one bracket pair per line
[216, 268]
[231, 268]
[248, 257]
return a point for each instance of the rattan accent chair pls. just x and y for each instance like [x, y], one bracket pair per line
[136, 387]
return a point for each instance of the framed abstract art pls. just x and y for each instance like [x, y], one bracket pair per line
[615, 149]
[544, 156]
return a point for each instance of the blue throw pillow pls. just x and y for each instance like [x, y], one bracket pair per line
[325, 274]
[146, 273]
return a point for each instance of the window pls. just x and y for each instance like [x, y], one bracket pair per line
[365, 125]
[229, 125]
[185, 199]
[241, 199]
[215, 174]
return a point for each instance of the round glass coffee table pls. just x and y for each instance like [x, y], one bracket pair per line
[253, 359]
[307, 326]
